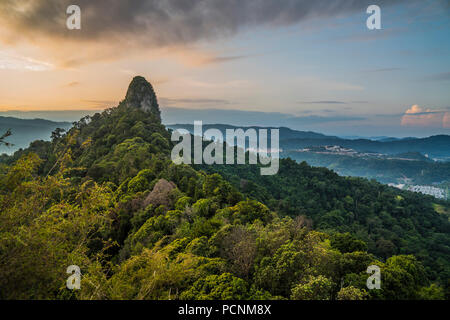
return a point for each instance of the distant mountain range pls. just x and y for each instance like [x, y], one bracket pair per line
[25, 131]
[378, 138]
[437, 147]
[388, 160]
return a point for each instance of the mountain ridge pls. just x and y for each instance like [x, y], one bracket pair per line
[291, 139]
[106, 196]
[25, 131]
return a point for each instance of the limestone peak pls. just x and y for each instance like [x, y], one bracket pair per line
[141, 95]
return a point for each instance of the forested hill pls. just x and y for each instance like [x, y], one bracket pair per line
[390, 221]
[105, 196]
[26, 130]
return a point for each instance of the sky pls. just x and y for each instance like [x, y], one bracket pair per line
[309, 65]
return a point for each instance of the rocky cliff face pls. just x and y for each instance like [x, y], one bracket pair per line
[141, 95]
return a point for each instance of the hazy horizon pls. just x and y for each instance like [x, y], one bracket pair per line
[304, 65]
[242, 118]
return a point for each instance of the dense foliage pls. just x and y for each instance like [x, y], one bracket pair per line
[390, 221]
[105, 196]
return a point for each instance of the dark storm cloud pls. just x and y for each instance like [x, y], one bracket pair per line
[167, 22]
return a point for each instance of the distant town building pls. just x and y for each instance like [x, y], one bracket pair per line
[438, 193]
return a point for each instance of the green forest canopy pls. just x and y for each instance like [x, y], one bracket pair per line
[105, 196]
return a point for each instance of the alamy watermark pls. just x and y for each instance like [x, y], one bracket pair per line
[374, 20]
[74, 280]
[73, 22]
[374, 281]
[235, 143]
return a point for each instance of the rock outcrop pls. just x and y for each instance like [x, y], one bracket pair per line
[141, 95]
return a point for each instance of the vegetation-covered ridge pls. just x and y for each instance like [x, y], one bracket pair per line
[25, 130]
[105, 196]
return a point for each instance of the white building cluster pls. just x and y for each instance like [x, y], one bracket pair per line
[432, 191]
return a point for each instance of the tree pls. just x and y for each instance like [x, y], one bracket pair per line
[214, 287]
[402, 277]
[160, 194]
[4, 136]
[345, 242]
[351, 293]
[432, 292]
[240, 249]
[385, 248]
[57, 133]
[41, 236]
[314, 288]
